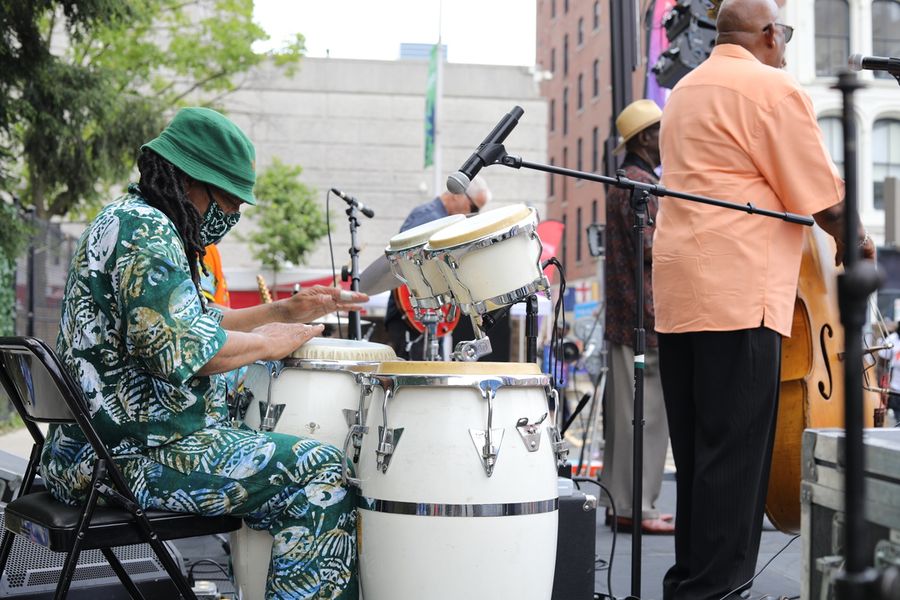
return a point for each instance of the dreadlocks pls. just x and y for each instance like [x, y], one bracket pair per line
[162, 187]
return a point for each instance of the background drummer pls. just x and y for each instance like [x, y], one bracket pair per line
[147, 350]
[476, 196]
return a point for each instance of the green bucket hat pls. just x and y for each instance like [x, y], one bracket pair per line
[210, 148]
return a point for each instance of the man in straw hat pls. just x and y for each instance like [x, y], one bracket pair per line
[724, 283]
[148, 352]
[638, 125]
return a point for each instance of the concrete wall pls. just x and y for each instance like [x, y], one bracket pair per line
[359, 126]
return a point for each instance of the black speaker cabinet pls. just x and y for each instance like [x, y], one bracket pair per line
[32, 573]
[574, 577]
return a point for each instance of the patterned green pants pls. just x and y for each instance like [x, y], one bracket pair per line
[288, 486]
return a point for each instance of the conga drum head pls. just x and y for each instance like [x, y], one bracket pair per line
[418, 236]
[352, 351]
[480, 226]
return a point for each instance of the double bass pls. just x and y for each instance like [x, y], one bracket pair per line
[812, 377]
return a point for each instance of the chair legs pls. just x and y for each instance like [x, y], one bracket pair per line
[113, 561]
[6, 542]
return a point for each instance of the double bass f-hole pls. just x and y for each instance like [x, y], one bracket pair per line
[826, 330]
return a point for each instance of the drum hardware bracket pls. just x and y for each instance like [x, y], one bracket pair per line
[487, 449]
[355, 433]
[556, 441]
[530, 433]
[312, 426]
[590, 503]
[472, 350]
[484, 440]
[269, 415]
[387, 443]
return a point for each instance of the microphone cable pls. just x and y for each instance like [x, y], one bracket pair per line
[334, 280]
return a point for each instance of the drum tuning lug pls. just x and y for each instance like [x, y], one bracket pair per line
[559, 445]
[387, 443]
[269, 415]
[530, 433]
[351, 417]
[590, 503]
[487, 445]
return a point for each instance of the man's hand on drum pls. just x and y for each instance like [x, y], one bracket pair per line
[283, 338]
[313, 302]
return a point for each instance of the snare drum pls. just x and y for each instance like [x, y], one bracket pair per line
[311, 394]
[457, 483]
[490, 260]
[427, 287]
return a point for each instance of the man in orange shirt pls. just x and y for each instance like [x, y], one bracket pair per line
[724, 283]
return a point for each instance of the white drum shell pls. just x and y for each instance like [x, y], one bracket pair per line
[408, 557]
[425, 281]
[315, 399]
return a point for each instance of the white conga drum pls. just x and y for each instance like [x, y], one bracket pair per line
[427, 287]
[446, 509]
[312, 394]
[490, 260]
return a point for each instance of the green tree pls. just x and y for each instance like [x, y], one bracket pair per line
[290, 221]
[83, 82]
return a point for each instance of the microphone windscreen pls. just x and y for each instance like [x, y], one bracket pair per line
[855, 62]
[458, 183]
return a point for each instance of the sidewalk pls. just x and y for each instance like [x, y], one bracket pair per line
[18, 442]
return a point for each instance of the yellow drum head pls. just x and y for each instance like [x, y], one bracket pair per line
[457, 368]
[417, 236]
[484, 224]
[344, 350]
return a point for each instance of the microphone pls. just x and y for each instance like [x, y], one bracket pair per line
[858, 62]
[353, 202]
[458, 182]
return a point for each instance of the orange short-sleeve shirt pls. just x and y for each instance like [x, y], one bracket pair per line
[741, 131]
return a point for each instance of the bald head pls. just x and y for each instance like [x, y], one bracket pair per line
[745, 16]
[750, 24]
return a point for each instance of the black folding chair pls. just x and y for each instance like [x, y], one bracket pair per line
[43, 392]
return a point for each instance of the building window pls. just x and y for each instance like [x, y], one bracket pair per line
[580, 31]
[885, 30]
[552, 180]
[566, 54]
[553, 60]
[594, 211]
[596, 15]
[565, 165]
[578, 235]
[885, 155]
[578, 155]
[580, 91]
[833, 134]
[566, 6]
[552, 115]
[552, 9]
[596, 85]
[595, 151]
[565, 111]
[565, 246]
[832, 36]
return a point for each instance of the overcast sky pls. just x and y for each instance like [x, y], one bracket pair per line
[500, 32]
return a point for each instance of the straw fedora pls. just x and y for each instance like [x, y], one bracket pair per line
[636, 117]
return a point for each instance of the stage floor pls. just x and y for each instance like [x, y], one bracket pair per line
[781, 578]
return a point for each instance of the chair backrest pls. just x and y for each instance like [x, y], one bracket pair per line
[36, 381]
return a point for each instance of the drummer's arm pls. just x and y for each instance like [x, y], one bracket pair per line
[306, 305]
[268, 342]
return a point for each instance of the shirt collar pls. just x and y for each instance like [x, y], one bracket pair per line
[632, 159]
[733, 51]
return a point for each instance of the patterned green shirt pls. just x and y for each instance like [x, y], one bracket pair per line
[134, 333]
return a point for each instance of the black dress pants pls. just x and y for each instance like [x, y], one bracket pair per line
[721, 395]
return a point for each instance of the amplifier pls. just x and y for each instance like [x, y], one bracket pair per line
[32, 572]
[574, 576]
[822, 516]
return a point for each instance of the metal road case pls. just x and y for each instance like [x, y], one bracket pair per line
[822, 504]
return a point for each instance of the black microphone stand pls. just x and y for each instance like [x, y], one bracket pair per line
[640, 194]
[858, 580]
[355, 329]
